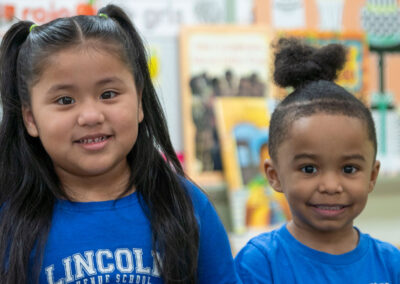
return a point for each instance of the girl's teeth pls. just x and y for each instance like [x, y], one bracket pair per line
[95, 140]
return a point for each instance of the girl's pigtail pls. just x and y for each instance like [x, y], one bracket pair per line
[21, 207]
[156, 176]
[10, 47]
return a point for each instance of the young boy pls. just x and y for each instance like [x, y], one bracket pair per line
[323, 149]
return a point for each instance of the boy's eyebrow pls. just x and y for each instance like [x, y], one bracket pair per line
[304, 156]
[345, 157]
[354, 157]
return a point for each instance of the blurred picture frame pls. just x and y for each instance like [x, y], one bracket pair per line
[217, 61]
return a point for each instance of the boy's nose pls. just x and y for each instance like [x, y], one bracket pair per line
[90, 115]
[330, 183]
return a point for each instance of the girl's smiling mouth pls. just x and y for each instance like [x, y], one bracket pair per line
[93, 142]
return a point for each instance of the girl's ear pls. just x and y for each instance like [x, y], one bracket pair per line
[140, 108]
[374, 175]
[29, 122]
[272, 175]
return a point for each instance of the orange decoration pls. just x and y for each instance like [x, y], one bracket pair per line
[85, 9]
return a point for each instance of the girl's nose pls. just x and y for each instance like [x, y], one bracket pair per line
[330, 184]
[90, 115]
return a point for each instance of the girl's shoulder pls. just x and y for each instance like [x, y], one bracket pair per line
[199, 198]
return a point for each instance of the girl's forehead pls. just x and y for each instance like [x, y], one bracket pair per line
[90, 48]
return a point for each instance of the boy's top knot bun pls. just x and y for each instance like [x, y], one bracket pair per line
[297, 63]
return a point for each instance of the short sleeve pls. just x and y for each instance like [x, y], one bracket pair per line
[252, 266]
[215, 256]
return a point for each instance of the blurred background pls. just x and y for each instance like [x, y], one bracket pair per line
[210, 61]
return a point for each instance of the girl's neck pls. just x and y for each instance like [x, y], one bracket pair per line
[333, 242]
[103, 187]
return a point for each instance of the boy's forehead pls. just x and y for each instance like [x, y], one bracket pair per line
[326, 132]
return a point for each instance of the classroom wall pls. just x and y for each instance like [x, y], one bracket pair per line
[351, 22]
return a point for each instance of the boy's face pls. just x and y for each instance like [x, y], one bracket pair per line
[326, 169]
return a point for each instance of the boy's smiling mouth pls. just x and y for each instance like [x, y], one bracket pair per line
[329, 207]
[328, 210]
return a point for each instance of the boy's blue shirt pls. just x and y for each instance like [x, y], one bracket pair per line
[110, 242]
[277, 257]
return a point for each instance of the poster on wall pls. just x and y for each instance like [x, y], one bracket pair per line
[288, 14]
[165, 18]
[330, 14]
[387, 124]
[40, 11]
[242, 125]
[217, 61]
[354, 75]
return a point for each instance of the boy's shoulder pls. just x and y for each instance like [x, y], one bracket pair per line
[255, 261]
[279, 256]
[384, 249]
[266, 244]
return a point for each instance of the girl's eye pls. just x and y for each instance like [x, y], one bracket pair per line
[108, 95]
[65, 101]
[309, 169]
[349, 169]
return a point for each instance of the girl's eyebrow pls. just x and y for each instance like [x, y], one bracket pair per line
[107, 80]
[60, 87]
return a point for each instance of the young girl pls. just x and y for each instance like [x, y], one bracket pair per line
[91, 190]
[323, 148]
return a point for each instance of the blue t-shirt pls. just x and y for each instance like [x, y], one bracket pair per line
[110, 242]
[277, 257]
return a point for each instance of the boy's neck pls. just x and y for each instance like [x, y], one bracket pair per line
[333, 242]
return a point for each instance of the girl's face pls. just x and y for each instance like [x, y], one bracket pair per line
[326, 169]
[86, 110]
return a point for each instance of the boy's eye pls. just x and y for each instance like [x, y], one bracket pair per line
[65, 101]
[108, 95]
[309, 169]
[349, 169]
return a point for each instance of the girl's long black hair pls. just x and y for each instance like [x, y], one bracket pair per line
[29, 186]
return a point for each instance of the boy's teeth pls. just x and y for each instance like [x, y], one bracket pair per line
[324, 207]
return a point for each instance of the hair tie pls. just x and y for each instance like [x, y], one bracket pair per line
[103, 15]
[32, 26]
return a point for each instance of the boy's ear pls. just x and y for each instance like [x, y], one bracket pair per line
[272, 175]
[29, 122]
[374, 175]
